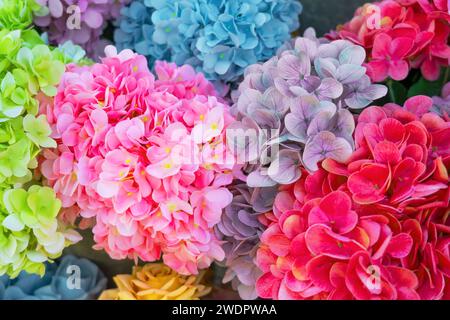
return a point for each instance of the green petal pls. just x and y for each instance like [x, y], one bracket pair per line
[13, 223]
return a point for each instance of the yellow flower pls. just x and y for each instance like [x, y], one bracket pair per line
[156, 281]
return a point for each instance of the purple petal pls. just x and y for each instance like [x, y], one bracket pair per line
[56, 8]
[259, 179]
[325, 145]
[307, 46]
[345, 125]
[349, 73]
[93, 18]
[374, 92]
[293, 67]
[325, 68]
[321, 122]
[356, 101]
[330, 88]
[353, 55]
[247, 98]
[296, 126]
[263, 198]
[285, 169]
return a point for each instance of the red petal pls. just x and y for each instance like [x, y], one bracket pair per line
[416, 133]
[386, 152]
[419, 105]
[321, 240]
[400, 245]
[369, 184]
[392, 130]
[319, 271]
[267, 286]
[279, 245]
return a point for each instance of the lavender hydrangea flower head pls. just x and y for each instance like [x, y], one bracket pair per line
[80, 21]
[441, 105]
[219, 37]
[297, 109]
[240, 229]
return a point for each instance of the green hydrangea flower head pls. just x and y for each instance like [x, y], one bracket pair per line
[17, 14]
[27, 66]
[30, 233]
[28, 69]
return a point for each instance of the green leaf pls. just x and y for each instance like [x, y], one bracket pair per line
[397, 92]
[426, 88]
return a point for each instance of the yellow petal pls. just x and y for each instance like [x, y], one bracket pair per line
[188, 294]
[126, 295]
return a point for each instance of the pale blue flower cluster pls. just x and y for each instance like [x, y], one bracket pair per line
[218, 37]
[68, 279]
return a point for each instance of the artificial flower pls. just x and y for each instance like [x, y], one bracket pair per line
[240, 228]
[17, 14]
[30, 234]
[69, 278]
[144, 160]
[80, 21]
[399, 35]
[297, 109]
[156, 281]
[218, 38]
[373, 227]
[441, 105]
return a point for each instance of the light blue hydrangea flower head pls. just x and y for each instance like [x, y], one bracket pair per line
[218, 37]
[68, 279]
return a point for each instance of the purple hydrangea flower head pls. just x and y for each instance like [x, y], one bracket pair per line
[441, 105]
[297, 109]
[79, 21]
[240, 229]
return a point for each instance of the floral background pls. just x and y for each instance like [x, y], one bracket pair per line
[316, 14]
[121, 158]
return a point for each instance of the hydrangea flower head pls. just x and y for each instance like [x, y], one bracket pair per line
[79, 21]
[240, 229]
[143, 157]
[441, 105]
[17, 14]
[219, 38]
[399, 35]
[296, 108]
[53, 284]
[374, 227]
[30, 233]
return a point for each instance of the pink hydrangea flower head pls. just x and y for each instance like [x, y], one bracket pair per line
[142, 158]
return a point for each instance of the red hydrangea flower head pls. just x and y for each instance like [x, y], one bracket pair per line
[376, 227]
[399, 35]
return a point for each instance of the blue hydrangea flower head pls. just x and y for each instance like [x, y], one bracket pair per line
[58, 283]
[218, 37]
